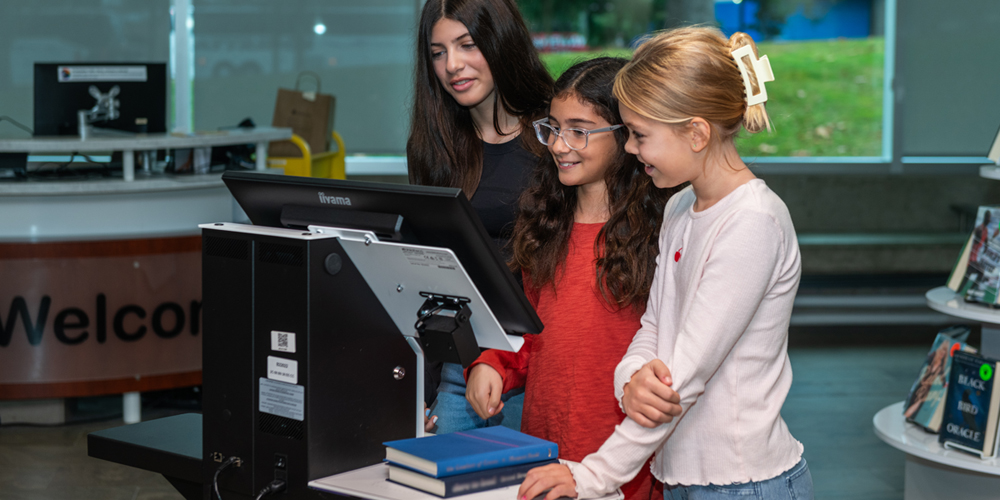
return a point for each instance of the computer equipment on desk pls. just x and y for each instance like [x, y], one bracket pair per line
[63, 90]
[306, 371]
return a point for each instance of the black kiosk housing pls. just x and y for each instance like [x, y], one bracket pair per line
[356, 373]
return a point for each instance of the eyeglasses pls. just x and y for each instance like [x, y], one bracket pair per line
[574, 138]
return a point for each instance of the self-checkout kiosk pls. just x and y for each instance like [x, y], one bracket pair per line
[318, 319]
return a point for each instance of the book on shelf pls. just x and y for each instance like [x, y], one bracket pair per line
[924, 405]
[972, 407]
[462, 484]
[957, 278]
[981, 277]
[467, 451]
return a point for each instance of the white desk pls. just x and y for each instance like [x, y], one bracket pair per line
[129, 144]
[373, 483]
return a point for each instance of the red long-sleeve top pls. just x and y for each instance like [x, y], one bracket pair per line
[568, 370]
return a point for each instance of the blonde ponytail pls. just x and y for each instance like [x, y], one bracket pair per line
[690, 72]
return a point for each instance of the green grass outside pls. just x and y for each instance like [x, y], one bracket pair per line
[826, 99]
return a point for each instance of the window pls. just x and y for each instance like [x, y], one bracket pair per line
[828, 57]
[362, 51]
[72, 31]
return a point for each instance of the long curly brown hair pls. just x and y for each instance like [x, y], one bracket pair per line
[626, 248]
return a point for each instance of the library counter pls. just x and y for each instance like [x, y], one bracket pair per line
[102, 284]
[132, 143]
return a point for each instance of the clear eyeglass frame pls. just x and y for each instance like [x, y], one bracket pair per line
[542, 126]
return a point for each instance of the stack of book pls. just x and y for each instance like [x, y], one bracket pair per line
[465, 462]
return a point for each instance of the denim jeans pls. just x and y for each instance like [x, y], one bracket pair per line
[454, 412]
[793, 484]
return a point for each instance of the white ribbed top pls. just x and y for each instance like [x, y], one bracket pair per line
[718, 317]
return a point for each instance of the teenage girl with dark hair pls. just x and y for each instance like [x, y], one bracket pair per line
[478, 86]
[585, 241]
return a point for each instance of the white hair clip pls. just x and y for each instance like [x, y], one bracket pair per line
[755, 72]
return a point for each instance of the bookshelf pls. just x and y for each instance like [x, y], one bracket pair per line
[933, 471]
[942, 299]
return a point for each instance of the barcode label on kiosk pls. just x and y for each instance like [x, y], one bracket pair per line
[429, 258]
[282, 341]
[281, 399]
[283, 370]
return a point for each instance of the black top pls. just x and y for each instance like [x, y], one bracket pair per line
[506, 172]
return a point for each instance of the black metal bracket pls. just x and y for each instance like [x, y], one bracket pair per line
[445, 332]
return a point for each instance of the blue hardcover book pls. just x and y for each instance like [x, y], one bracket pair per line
[972, 405]
[461, 452]
[464, 484]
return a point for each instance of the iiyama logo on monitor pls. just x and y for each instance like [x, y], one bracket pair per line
[334, 200]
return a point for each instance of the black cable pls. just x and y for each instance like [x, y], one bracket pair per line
[17, 124]
[64, 165]
[215, 479]
[426, 315]
[276, 486]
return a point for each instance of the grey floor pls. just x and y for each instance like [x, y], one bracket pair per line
[835, 393]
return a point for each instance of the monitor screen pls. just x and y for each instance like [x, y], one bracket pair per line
[421, 215]
[63, 89]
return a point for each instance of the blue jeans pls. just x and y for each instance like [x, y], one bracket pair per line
[454, 412]
[793, 484]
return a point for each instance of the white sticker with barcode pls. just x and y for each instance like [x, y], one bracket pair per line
[282, 341]
[281, 369]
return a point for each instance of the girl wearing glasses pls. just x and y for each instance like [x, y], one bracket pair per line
[585, 241]
[721, 300]
[478, 86]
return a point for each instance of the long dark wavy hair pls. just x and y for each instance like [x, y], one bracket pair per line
[444, 148]
[626, 247]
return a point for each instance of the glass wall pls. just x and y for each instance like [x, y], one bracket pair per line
[829, 59]
[949, 77]
[362, 51]
[827, 56]
[72, 31]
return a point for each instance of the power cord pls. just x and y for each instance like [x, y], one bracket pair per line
[225, 465]
[276, 486]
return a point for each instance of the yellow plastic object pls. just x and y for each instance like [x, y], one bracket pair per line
[328, 164]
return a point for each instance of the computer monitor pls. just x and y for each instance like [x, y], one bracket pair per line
[61, 90]
[421, 215]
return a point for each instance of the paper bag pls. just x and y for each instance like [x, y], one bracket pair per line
[308, 114]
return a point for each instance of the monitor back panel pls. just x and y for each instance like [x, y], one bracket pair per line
[304, 388]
